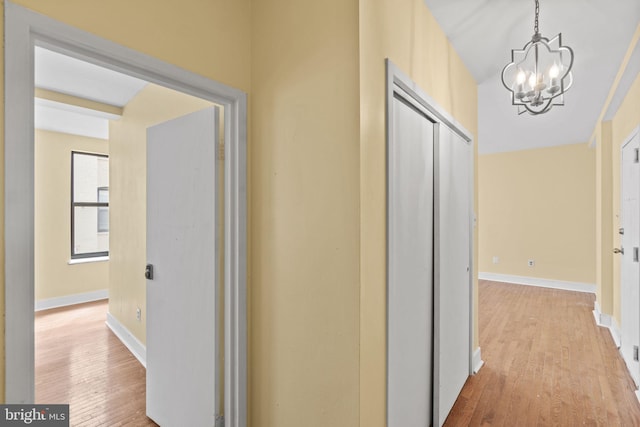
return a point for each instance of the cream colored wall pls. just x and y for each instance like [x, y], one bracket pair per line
[539, 204]
[54, 277]
[304, 214]
[211, 38]
[406, 32]
[208, 37]
[624, 122]
[604, 218]
[127, 193]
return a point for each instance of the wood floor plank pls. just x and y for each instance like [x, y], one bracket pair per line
[79, 361]
[546, 364]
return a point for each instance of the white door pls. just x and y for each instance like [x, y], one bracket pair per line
[454, 192]
[410, 268]
[182, 355]
[629, 266]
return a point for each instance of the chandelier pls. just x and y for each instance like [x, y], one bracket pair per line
[538, 75]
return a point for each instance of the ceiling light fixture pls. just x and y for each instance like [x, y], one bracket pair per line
[538, 75]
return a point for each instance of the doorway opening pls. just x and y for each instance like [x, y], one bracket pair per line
[26, 30]
[90, 120]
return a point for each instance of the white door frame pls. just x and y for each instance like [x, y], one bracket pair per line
[24, 30]
[399, 83]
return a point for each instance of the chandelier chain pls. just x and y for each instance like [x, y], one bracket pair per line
[535, 24]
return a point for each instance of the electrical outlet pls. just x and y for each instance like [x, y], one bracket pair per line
[138, 314]
[496, 259]
[531, 263]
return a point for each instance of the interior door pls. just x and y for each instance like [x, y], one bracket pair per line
[454, 190]
[182, 350]
[629, 266]
[410, 268]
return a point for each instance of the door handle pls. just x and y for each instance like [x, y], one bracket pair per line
[618, 251]
[148, 272]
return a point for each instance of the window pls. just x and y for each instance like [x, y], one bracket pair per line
[89, 205]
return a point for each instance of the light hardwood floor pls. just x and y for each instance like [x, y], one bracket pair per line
[79, 361]
[546, 364]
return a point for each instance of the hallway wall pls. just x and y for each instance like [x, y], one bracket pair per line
[304, 215]
[539, 204]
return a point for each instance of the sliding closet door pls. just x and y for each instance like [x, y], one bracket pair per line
[454, 192]
[410, 267]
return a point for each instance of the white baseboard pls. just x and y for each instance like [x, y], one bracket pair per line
[45, 304]
[543, 283]
[607, 321]
[477, 361]
[134, 345]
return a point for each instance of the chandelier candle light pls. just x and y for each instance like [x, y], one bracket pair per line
[538, 75]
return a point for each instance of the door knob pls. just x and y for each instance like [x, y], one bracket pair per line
[618, 251]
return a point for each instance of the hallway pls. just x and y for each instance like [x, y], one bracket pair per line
[546, 363]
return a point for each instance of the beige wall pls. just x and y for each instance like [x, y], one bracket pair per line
[539, 204]
[304, 214]
[128, 197]
[624, 122]
[604, 218]
[54, 277]
[406, 32]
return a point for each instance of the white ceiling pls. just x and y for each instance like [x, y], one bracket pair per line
[483, 33]
[70, 76]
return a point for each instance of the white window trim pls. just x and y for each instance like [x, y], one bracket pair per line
[24, 30]
[87, 260]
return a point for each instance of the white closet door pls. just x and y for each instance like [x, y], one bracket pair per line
[410, 264]
[182, 355]
[453, 272]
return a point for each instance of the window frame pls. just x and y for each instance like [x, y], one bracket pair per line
[75, 204]
[100, 208]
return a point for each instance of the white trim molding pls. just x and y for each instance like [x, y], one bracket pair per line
[477, 361]
[45, 304]
[134, 345]
[609, 322]
[75, 261]
[542, 283]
